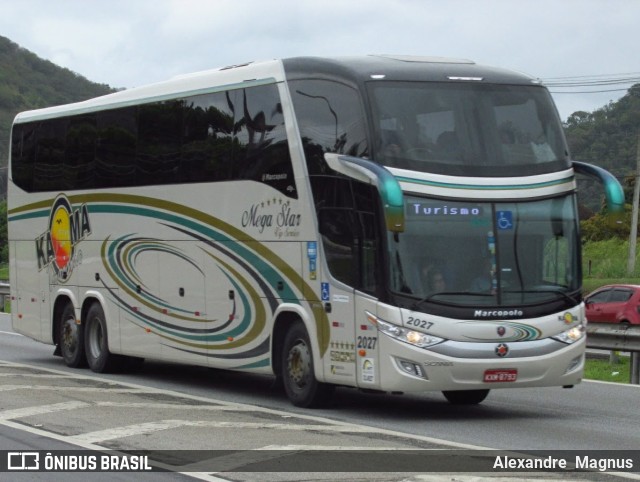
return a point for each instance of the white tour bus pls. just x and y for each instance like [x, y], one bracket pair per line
[389, 223]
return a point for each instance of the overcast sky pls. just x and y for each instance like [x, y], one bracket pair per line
[126, 43]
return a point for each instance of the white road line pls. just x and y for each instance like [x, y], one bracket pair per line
[126, 431]
[246, 407]
[150, 427]
[33, 375]
[8, 388]
[175, 406]
[41, 409]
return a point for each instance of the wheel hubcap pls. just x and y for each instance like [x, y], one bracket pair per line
[299, 364]
[70, 335]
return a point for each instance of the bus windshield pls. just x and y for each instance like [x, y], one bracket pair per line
[486, 254]
[467, 128]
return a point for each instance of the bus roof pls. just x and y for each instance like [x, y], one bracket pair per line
[351, 69]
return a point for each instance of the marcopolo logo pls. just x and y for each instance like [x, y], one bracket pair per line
[56, 247]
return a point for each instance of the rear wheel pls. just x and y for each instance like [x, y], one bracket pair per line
[465, 397]
[71, 338]
[298, 374]
[100, 359]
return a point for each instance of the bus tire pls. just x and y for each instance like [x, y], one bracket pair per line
[465, 397]
[71, 338]
[100, 359]
[298, 376]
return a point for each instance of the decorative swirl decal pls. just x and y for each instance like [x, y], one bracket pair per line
[504, 331]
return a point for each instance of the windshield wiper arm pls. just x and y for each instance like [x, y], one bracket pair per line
[455, 293]
[556, 292]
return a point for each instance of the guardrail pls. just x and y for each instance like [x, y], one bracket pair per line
[4, 292]
[609, 336]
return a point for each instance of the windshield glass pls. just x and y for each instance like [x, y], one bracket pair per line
[486, 254]
[467, 128]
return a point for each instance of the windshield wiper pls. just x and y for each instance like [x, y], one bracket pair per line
[429, 297]
[556, 292]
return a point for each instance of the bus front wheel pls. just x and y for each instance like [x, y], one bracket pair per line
[466, 397]
[298, 375]
[71, 338]
[100, 359]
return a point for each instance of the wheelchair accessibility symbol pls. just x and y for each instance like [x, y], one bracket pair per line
[504, 220]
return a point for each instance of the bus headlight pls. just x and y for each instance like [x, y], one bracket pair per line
[411, 337]
[572, 335]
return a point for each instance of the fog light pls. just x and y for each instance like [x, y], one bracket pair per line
[411, 368]
[574, 364]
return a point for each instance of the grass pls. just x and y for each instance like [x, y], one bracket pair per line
[603, 370]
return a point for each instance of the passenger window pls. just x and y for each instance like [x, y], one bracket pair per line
[159, 142]
[620, 296]
[262, 150]
[600, 297]
[116, 148]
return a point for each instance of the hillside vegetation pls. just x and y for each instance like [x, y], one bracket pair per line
[29, 82]
[606, 137]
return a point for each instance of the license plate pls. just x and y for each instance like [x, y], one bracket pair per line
[495, 376]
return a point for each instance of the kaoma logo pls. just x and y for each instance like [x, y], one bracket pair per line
[56, 247]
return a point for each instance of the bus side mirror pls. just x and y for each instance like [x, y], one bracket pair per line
[388, 187]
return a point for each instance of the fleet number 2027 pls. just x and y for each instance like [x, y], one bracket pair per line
[367, 342]
[417, 322]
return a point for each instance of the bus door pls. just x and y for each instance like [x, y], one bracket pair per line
[349, 246]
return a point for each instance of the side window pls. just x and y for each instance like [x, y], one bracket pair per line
[348, 226]
[232, 135]
[116, 148]
[159, 142]
[618, 296]
[339, 240]
[262, 150]
[23, 155]
[330, 119]
[207, 149]
[79, 167]
[50, 149]
[600, 297]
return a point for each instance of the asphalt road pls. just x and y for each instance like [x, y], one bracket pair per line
[168, 407]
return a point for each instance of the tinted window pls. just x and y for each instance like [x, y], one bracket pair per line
[49, 160]
[207, 151]
[79, 167]
[600, 297]
[620, 296]
[116, 150]
[23, 154]
[261, 149]
[159, 142]
[234, 135]
[330, 119]
[348, 225]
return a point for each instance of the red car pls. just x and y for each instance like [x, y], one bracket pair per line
[614, 304]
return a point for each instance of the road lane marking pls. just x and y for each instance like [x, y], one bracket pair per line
[7, 388]
[41, 409]
[247, 407]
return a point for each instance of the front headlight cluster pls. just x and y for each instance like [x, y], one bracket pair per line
[415, 338]
[572, 335]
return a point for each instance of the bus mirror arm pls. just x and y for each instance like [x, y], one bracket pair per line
[612, 189]
[369, 172]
